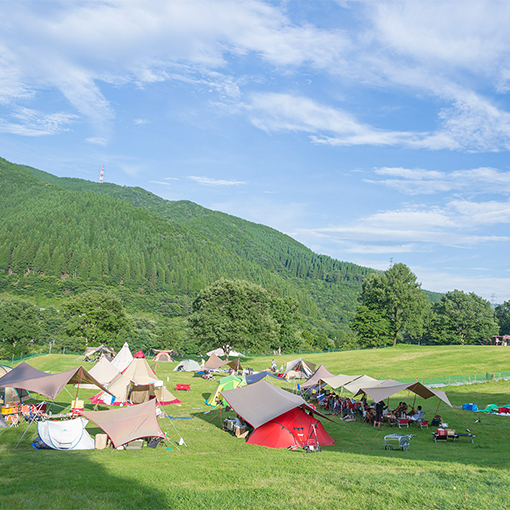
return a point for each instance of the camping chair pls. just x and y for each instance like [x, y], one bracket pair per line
[424, 424]
[403, 422]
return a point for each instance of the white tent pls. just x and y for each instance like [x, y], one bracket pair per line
[220, 352]
[123, 359]
[187, 365]
[103, 371]
[65, 435]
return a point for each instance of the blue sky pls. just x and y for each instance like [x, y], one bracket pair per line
[368, 131]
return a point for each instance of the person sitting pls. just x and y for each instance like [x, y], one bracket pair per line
[436, 421]
[418, 415]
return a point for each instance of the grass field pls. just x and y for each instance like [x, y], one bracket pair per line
[217, 470]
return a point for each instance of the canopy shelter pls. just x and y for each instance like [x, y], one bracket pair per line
[221, 352]
[278, 417]
[261, 402]
[95, 352]
[253, 378]
[11, 394]
[123, 359]
[299, 369]
[163, 356]
[295, 428]
[139, 354]
[225, 383]
[64, 435]
[314, 379]
[386, 389]
[138, 383]
[29, 378]
[187, 365]
[340, 380]
[363, 380]
[103, 371]
[214, 362]
[128, 423]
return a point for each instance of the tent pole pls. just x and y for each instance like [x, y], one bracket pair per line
[79, 381]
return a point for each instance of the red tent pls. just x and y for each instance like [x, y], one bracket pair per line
[140, 354]
[293, 428]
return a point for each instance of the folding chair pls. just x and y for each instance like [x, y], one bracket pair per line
[403, 422]
[424, 424]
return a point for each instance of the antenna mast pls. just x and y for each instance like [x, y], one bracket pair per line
[101, 174]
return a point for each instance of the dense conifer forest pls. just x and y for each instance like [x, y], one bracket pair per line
[60, 237]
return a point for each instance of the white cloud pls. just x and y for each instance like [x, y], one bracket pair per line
[29, 122]
[207, 181]
[420, 181]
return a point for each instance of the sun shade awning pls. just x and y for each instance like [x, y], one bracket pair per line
[386, 389]
[214, 362]
[29, 378]
[261, 402]
[340, 380]
[127, 423]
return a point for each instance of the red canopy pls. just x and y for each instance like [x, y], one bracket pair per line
[140, 354]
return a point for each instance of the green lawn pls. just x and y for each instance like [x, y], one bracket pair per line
[217, 470]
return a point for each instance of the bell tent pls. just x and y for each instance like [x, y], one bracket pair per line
[123, 359]
[137, 384]
[103, 371]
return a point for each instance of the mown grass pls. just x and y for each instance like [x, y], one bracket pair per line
[216, 470]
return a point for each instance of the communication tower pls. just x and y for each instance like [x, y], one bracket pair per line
[101, 174]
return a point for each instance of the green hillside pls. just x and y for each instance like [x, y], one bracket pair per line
[63, 236]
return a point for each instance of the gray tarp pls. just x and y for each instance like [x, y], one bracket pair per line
[29, 378]
[320, 373]
[261, 402]
[127, 423]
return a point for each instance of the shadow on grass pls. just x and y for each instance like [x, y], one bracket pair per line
[72, 479]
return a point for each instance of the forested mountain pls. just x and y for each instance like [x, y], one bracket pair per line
[62, 236]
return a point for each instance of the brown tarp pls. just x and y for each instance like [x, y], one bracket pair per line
[386, 389]
[320, 373]
[29, 378]
[127, 423]
[214, 362]
[235, 364]
[261, 402]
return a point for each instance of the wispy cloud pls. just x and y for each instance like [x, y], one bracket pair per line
[29, 122]
[207, 181]
[425, 182]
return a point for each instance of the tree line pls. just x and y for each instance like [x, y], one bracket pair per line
[393, 308]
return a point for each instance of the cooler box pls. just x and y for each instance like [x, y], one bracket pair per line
[470, 407]
[77, 404]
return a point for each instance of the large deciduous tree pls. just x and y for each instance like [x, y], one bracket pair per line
[398, 300]
[19, 326]
[96, 317]
[460, 318]
[241, 315]
[503, 316]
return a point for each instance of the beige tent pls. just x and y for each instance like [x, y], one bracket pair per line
[95, 352]
[299, 369]
[127, 424]
[103, 371]
[214, 362]
[163, 356]
[11, 394]
[137, 384]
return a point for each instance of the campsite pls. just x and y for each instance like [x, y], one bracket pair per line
[216, 469]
